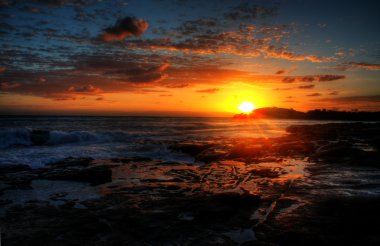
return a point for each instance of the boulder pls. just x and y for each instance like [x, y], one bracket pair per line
[92, 174]
[39, 137]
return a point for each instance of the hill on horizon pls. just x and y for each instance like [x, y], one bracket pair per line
[316, 114]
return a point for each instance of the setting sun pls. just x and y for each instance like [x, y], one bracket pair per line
[246, 107]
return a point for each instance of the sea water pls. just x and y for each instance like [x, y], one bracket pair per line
[114, 137]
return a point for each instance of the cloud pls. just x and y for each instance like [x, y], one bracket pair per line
[141, 73]
[2, 69]
[245, 11]
[306, 78]
[125, 28]
[367, 102]
[306, 87]
[282, 89]
[282, 53]
[363, 65]
[248, 41]
[99, 99]
[351, 99]
[196, 26]
[333, 93]
[311, 78]
[314, 95]
[288, 79]
[286, 71]
[7, 85]
[85, 89]
[53, 2]
[329, 77]
[211, 90]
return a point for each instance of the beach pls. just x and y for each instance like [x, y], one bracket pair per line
[188, 181]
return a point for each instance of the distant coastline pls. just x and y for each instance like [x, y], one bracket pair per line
[317, 114]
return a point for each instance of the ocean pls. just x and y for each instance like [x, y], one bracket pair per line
[114, 137]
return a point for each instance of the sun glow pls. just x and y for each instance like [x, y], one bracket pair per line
[246, 107]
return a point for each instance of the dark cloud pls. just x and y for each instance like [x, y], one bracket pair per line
[362, 65]
[282, 89]
[361, 99]
[211, 90]
[53, 2]
[141, 73]
[84, 89]
[311, 78]
[329, 77]
[288, 79]
[370, 103]
[280, 72]
[314, 95]
[203, 25]
[306, 87]
[306, 78]
[124, 28]
[4, 86]
[99, 99]
[333, 93]
[246, 11]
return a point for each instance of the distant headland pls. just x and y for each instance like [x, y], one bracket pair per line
[317, 114]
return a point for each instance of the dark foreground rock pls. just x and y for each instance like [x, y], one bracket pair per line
[94, 175]
[318, 185]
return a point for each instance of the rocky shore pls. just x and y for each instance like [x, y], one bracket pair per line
[317, 185]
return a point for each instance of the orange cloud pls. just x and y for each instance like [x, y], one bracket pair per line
[280, 52]
[306, 87]
[211, 90]
[314, 95]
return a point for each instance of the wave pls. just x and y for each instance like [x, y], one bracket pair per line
[28, 137]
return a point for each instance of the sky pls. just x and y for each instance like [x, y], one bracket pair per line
[187, 57]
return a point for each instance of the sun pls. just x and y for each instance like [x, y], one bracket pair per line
[246, 107]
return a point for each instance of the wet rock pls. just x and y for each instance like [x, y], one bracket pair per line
[210, 155]
[5, 202]
[92, 174]
[68, 205]
[340, 150]
[246, 151]
[170, 163]
[141, 159]
[192, 149]
[9, 168]
[71, 161]
[296, 147]
[39, 137]
[224, 207]
[19, 179]
[162, 180]
[265, 172]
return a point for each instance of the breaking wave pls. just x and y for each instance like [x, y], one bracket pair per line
[28, 137]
